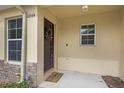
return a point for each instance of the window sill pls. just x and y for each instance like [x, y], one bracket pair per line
[87, 45]
[14, 62]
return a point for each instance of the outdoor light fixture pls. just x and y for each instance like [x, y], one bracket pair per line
[84, 8]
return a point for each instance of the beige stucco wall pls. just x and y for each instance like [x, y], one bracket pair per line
[122, 47]
[41, 14]
[35, 35]
[102, 58]
[31, 32]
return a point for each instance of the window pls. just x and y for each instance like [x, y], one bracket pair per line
[88, 35]
[14, 41]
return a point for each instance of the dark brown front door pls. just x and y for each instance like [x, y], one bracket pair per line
[48, 45]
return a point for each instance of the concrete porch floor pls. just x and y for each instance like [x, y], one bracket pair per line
[73, 79]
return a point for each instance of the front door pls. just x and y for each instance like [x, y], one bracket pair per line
[48, 45]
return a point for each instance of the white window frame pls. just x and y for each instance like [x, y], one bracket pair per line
[12, 61]
[88, 34]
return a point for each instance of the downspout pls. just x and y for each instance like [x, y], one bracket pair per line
[24, 43]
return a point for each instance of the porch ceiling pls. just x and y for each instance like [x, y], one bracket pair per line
[62, 11]
[3, 7]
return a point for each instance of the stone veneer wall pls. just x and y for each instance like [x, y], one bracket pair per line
[10, 73]
[32, 73]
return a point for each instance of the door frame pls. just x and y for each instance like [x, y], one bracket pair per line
[53, 46]
[47, 73]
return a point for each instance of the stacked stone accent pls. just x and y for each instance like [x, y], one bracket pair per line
[32, 73]
[9, 73]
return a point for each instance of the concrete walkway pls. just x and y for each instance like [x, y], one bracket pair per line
[72, 79]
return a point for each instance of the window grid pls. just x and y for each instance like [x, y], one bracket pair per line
[84, 32]
[15, 39]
